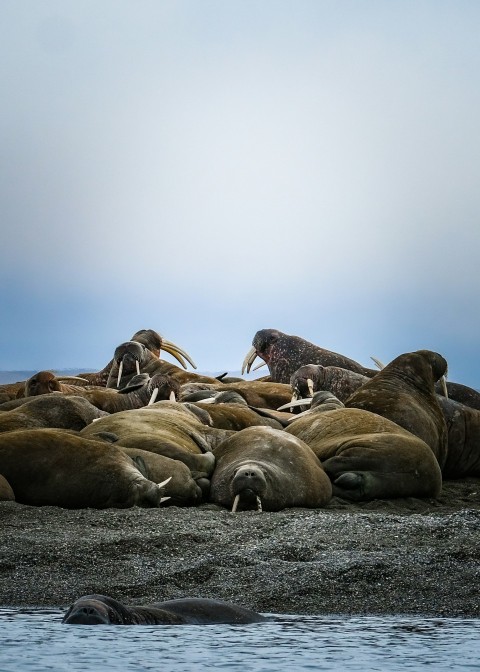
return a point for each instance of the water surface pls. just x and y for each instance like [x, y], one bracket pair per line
[36, 640]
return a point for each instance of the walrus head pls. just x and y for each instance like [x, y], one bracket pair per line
[97, 610]
[248, 486]
[422, 368]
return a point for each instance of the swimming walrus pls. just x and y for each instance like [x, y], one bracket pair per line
[284, 354]
[266, 469]
[366, 455]
[104, 610]
[53, 467]
[404, 392]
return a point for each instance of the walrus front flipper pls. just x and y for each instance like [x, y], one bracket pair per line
[384, 466]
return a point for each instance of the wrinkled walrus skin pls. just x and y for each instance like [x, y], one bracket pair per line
[281, 470]
[368, 456]
[54, 467]
[284, 354]
[104, 610]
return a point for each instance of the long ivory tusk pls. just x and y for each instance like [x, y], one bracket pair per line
[65, 378]
[299, 402]
[443, 382]
[259, 504]
[164, 499]
[120, 369]
[250, 357]
[259, 366]
[153, 397]
[178, 353]
[137, 364]
[172, 396]
[310, 386]
[235, 503]
[380, 364]
[160, 485]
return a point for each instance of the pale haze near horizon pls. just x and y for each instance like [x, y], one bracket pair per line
[209, 169]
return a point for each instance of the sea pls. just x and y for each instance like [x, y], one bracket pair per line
[36, 640]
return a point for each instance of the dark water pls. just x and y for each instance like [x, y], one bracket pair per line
[36, 640]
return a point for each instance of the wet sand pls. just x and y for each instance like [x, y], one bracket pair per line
[406, 556]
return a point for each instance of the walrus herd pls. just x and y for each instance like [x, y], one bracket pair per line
[145, 432]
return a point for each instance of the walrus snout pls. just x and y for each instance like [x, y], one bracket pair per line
[249, 478]
[87, 614]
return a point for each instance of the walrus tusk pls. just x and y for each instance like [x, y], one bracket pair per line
[235, 503]
[172, 396]
[310, 386]
[178, 353]
[137, 364]
[259, 366]
[153, 397]
[295, 395]
[64, 378]
[160, 485]
[120, 369]
[164, 499]
[250, 357]
[443, 383]
[380, 364]
[259, 504]
[298, 402]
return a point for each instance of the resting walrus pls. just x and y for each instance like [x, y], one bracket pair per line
[104, 610]
[367, 456]
[266, 469]
[54, 467]
[404, 392]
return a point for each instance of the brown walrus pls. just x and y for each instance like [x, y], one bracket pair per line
[131, 358]
[266, 469]
[104, 610]
[367, 456]
[146, 391]
[53, 467]
[404, 392]
[50, 410]
[284, 354]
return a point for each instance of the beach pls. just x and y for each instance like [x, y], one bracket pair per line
[403, 556]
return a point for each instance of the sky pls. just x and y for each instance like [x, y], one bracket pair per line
[209, 168]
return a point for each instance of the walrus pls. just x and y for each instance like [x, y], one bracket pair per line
[183, 489]
[229, 410]
[53, 467]
[152, 341]
[312, 378]
[6, 492]
[257, 394]
[142, 390]
[463, 427]
[284, 354]
[404, 392]
[131, 358]
[366, 455]
[105, 610]
[166, 428]
[50, 410]
[266, 469]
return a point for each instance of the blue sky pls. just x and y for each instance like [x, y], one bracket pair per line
[209, 168]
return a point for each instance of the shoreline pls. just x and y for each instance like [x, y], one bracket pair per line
[406, 556]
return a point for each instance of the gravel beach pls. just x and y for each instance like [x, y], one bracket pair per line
[405, 556]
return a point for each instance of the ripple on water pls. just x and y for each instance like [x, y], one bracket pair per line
[36, 640]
